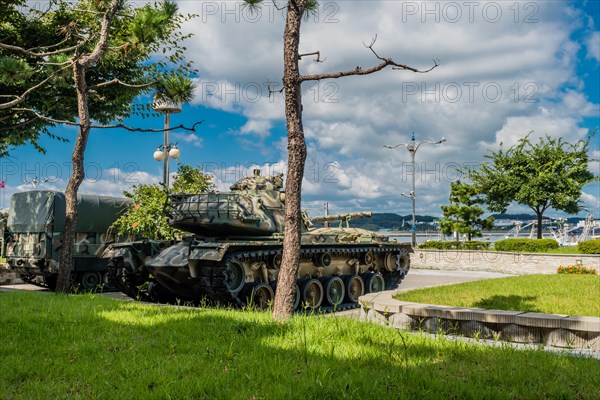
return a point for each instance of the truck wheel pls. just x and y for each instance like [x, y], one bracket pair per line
[90, 280]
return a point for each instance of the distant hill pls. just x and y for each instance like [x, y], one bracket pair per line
[532, 217]
[391, 221]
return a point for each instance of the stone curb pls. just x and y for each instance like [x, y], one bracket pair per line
[555, 330]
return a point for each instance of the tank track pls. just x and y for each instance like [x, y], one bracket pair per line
[128, 284]
[34, 280]
[213, 277]
[392, 279]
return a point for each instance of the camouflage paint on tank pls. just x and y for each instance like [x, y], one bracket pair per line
[237, 248]
[254, 207]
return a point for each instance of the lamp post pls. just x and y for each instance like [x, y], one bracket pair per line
[35, 182]
[166, 150]
[412, 148]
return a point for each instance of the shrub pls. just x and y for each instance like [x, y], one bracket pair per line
[470, 245]
[589, 246]
[576, 270]
[526, 245]
[437, 245]
[475, 245]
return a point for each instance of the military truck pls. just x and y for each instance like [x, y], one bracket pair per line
[36, 222]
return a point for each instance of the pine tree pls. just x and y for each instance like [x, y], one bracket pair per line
[463, 215]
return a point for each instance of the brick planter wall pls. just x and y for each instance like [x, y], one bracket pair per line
[496, 261]
[560, 331]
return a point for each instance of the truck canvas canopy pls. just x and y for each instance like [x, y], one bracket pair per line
[38, 210]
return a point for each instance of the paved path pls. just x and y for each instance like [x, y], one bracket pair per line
[422, 278]
[416, 279]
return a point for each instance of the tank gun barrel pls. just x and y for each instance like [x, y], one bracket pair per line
[342, 217]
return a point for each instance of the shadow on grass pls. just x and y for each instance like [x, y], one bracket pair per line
[93, 347]
[510, 302]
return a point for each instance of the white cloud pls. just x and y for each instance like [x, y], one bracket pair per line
[190, 138]
[593, 46]
[500, 76]
[107, 182]
[257, 127]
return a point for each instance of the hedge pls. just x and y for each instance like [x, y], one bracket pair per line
[589, 246]
[526, 245]
[470, 245]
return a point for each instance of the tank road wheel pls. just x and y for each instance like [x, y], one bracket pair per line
[334, 290]
[275, 261]
[368, 258]
[355, 287]
[392, 261]
[322, 260]
[259, 295]
[90, 280]
[374, 282]
[235, 276]
[312, 293]
[296, 293]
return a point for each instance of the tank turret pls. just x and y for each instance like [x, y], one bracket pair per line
[253, 207]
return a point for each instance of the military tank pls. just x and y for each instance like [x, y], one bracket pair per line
[234, 253]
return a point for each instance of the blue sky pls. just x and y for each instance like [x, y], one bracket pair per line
[506, 68]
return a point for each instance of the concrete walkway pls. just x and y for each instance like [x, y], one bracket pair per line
[423, 278]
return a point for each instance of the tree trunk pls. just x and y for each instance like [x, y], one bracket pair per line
[540, 215]
[80, 67]
[66, 255]
[284, 298]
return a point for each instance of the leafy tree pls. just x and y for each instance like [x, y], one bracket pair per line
[191, 180]
[145, 217]
[548, 174]
[86, 60]
[463, 214]
[292, 88]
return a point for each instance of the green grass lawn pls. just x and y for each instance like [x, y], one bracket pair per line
[92, 347]
[553, 294]
[564, 250]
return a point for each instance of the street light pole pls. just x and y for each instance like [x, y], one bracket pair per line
[412, 148]
[167, 108]
[166, 146]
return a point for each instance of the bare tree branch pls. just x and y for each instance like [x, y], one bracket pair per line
[114, 126]
[131, 129]
[385, 62]
[277, 6]
[34, 49]
[117, 81]
[317, 53]
[30, 53]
